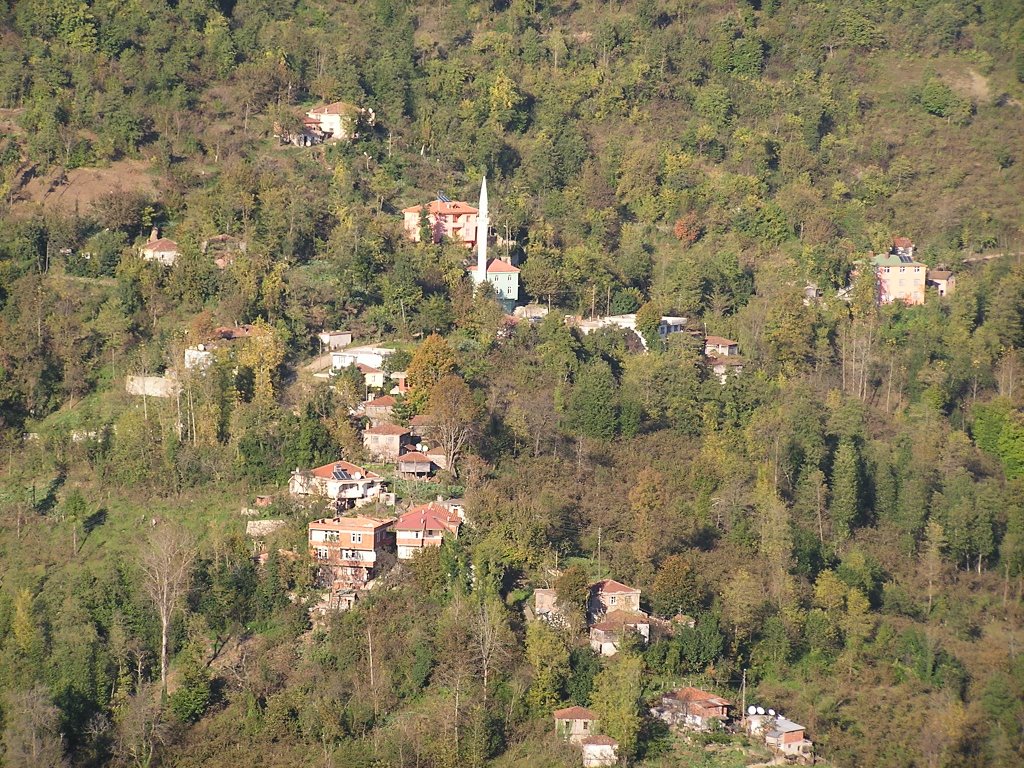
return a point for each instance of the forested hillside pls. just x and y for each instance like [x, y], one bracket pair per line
[843, 518]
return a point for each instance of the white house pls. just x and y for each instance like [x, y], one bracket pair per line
[160, 249]
[365, 355]
[342, 482]
[331, 340]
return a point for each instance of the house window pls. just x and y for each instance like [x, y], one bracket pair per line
[357, 538]
[349, 554]
[321, 553]
[586, 725]
[331, 536]
[613, 600]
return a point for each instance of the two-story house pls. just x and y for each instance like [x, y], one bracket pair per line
[341, 120]
[347, 549]
[379, 409]
[900, 277]
[343, 483]
[423, 526]
[609, 595]
[384, 442]
[452, 219]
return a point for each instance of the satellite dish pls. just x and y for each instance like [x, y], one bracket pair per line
[751, 710]
[357, 476]
[419, 446]
[760, 710]
[771, 712]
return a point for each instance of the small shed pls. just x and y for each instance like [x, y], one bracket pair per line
[599, 751]
[415, 464]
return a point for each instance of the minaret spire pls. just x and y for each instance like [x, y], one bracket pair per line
[482, 225]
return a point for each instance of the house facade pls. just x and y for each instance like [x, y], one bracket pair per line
[607, 635]
[575, 723]
[599, 751]
[365, 355]
[942, 280]
[899, 276]
[423, 526]
[346, 549]
[379, 410]
[160, 249]
[342, 482]
[332, 340]
[384, 442]
[609, 595]
[451, 219]
[719, 346]
[340, 120]
[415, 465]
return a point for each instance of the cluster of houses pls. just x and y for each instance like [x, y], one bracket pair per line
[694, 709]
[349, 551]
[614, 613]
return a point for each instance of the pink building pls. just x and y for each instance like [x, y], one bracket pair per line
[450, 219]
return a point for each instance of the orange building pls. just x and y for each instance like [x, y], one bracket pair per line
[347, 548]
[453, 219]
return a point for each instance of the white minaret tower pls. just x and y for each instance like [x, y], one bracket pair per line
[482, 224]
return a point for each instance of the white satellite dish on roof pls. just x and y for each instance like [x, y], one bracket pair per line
[760, 710]
[751, 710]
[771, 712]
[357, 476]
[419, 446]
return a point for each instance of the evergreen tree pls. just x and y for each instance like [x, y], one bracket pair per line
[593, 403]
[846, 489]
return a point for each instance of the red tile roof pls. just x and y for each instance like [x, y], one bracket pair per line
[361, 522]
[386, 429]
[414, 457]
[430, 516]
[386, 401]
[600, 740]
[443, 208]
[610, 585]
[327, 470]
[335, 108]
[421, 420]
[720, 341]
[619, 619]
[364, 369]
[497, 265]
[163, 244]
[690, 694]
[903, 242]
[574, 713]
[234, 332]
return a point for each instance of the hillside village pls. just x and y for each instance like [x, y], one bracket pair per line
[511, 384]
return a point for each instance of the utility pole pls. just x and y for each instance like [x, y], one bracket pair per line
[743, 698]
[599, 571]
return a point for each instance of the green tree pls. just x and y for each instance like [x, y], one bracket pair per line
[192, 697]
[592, 409]
[549, 659]
[846, 489]
[616, 700]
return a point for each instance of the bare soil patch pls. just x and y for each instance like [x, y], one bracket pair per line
[79, 188]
